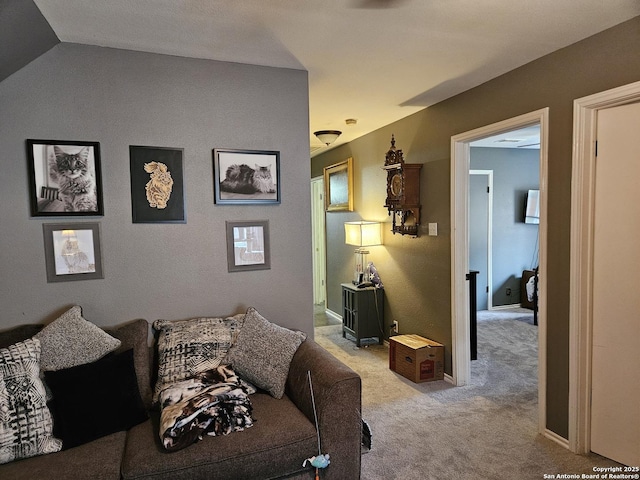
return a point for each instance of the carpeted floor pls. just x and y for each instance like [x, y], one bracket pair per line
[485, 430]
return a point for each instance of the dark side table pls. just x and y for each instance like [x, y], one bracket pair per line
[362, 312]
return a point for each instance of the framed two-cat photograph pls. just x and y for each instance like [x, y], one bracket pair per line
[244, 177]
[64, 178]
[157, 185]
[72, 251]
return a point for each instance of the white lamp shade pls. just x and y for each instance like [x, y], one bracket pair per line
[363, 234]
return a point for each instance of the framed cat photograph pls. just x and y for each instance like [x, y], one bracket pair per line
[72, 251]
[65, 178]
[246, 176]
[248, 246]
[157, 185]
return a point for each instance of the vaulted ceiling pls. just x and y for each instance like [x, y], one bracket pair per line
[374, 61]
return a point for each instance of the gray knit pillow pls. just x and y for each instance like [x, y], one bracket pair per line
[263, 352]
[70, 340]
[26, 426]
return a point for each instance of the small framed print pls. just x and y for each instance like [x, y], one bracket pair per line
[248, 246]
[246, 177]
[338, 186]
[72, 251]
[157, 185]
[64, 178]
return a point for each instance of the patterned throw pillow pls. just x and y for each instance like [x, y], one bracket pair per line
[70, 340]
[25, 421]
[189, 347]
[263, 352]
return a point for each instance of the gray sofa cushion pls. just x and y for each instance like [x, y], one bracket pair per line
[18, 334]
[98, 460]
[135, 335]
[281, 439]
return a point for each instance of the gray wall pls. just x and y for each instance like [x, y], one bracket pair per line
[24, 35]
[121, 98]
[417, 272]
[514, 242]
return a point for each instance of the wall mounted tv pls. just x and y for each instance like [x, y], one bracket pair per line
[532, 207]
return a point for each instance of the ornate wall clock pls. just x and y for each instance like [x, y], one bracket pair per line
[403, 191]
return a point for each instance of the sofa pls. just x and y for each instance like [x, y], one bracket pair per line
[282, 436]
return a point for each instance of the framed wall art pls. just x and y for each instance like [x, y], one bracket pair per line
[246, 176]
[72, 251]
[64, 178]
[248, 246]
[157, 185]
[338, 186]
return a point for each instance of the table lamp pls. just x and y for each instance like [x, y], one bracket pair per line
[362, 234]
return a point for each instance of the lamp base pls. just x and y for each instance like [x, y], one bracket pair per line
[360, 262]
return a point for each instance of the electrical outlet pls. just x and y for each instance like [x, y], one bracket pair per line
[394, 327]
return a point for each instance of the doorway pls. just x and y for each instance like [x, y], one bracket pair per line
[590, 264]
[460, 166]
[503, 241]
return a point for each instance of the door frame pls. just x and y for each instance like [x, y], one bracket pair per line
[460, 151]
[585, 117]
[489, 175]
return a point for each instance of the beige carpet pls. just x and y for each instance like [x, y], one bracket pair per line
[485, 430]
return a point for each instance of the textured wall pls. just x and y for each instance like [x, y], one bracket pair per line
[121, 98]
[417, 273]
[24, 35]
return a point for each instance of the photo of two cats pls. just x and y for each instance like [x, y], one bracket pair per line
[247, 176]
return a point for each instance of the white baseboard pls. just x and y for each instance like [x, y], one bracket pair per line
[506, 307]
[333, 315]
[556, 438]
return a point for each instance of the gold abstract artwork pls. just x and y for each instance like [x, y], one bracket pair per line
[159, 187]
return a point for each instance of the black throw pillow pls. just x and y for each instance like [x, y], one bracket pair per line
[96, 399]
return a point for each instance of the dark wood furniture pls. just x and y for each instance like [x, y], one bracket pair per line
[362, 312]
[403, 192]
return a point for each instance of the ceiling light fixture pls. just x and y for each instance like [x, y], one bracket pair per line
[327, 136]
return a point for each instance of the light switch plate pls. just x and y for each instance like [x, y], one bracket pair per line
[433, 229]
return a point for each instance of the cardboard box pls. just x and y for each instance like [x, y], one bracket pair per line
[416, 358]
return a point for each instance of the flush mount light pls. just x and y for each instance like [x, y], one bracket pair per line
[327, 136]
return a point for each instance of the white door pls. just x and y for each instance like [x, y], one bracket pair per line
[480, 184]
[615, 407]
[318, 241]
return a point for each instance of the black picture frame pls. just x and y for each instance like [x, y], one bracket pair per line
[248, 246]
[72, 251]
[157, 184]
[84, 195]
[235, 184]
